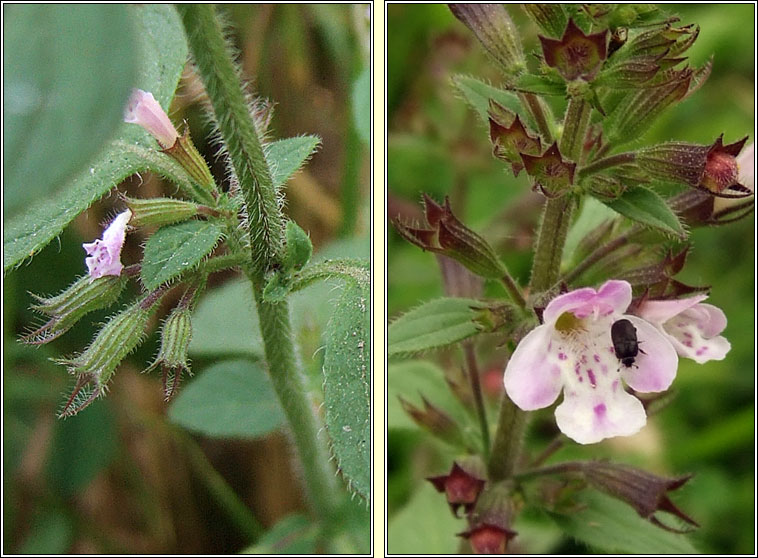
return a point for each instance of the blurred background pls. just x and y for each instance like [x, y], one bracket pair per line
[120, 477]
[437, 145]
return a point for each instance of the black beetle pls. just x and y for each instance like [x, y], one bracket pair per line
[625, 344]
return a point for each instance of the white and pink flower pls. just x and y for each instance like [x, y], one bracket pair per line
[105, 254]
[692, 327]
[572, 352]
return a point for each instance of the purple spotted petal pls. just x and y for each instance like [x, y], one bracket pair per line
[531, 380]
[660, 311]
[694, 333]
[105, 255]
[655, 368]
[589, 417]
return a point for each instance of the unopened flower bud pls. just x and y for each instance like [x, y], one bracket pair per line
[95, 366]
[645, 492]
[461, 486]
[435, 420]
[105, 254]
[67, 308]
[551, 18]
[176, 335]
[674, 161]
[576, 55]
[159, 211]
[447, 235]
[144, 110]
[490, 522]
[721, 171]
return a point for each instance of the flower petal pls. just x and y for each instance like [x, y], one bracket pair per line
[531, 379]
[613, 296]
[746, 167]
[660, 311]
[588, 417]
[105, 255]
[655, 368]
[693, 333]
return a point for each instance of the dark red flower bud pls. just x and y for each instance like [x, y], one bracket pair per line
[552, 175]
[447, 235]
[721, 172]
[576, 55]
[461, 487]
[486, 538]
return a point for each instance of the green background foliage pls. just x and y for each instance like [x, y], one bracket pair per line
[131, 473]
[438, 145]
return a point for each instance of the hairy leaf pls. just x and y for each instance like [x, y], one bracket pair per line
[286, 156]
[434, 324]
[163, 53]
[174, 249]
[347, 385]
[69, 70]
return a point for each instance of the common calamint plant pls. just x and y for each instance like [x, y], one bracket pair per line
[209, 230]
[607, 325]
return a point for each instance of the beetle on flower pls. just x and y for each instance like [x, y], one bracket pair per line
[572, 351]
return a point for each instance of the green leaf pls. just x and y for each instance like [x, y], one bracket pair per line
[540, 85]
[606, 524]
[424, 526]
[347, 385]
[285, 156]
[361, 104]
[295, 534]
[68, 72]
[174, 249]
[434, 324]
[413, 380]
[163, 53]
[231, 303]
[478, 94]
[648, 208]
[231, 399]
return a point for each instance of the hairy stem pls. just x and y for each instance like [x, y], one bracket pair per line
[535, 108]
[222, 82]
[607, 162]
[506, 448]
[240, 136]
[550, 240]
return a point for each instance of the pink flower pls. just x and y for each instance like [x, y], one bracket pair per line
[692, 327]
[105, 255]
[572, 351]
[144, 110]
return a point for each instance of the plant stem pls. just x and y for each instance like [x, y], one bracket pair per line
[513, 290]
[222, 82]
[289, 384]
[550, 240]
[608, 162]
[575, 125]
[506, 448]
[535, 108]
[476, 388]
[214, 62]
